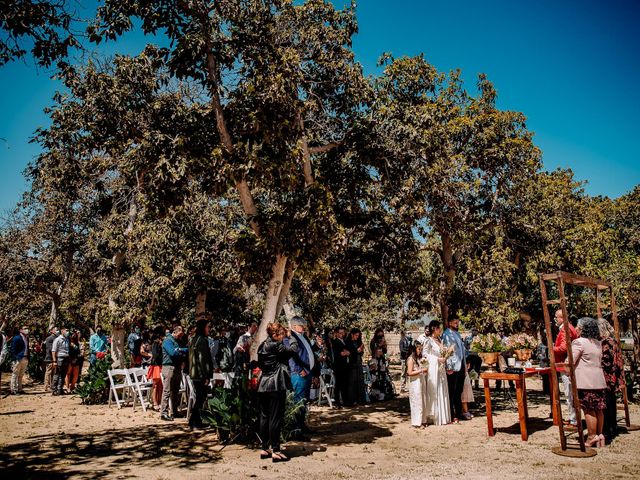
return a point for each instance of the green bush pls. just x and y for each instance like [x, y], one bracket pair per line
[234, 412]
[94, 385]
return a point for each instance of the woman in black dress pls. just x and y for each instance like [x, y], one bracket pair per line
[273, 360]
[355, 387]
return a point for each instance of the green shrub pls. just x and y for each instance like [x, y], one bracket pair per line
[94, 385]
[234, 412]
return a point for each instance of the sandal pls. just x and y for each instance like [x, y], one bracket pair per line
[594, 442]
[264, 455]
[601, 440]
[279, 457]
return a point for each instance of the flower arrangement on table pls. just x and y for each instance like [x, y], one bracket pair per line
[522, 341]
[488, 346]
[487, 343]
[522, 345]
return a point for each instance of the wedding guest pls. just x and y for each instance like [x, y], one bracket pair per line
[438, 395]
[48, 359]
[242, 349]
[60, 356]
[378, 341]
[97, 344]
[405, 345]
[456, 368]
[560, 352]
[590, 381]
[145, 348]
[467, 396]
[417, 386]
[73, 372]
[173, 357]
[154, 372]
[613, 369]
[200, 371]
[355, 382]
[134, 340]
[275, 381]
[340, 367]
[301, 366]
[20, 358]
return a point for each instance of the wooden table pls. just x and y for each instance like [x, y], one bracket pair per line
[521, 394]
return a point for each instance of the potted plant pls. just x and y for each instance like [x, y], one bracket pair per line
[522, 345]
[488, 347]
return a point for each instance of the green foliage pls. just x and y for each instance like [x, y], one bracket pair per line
[35, 368]
[93, 387]
[232, 411]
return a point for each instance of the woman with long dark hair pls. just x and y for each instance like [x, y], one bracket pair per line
[154, 372]
[273, 360]
[355, 385]
[417, 385]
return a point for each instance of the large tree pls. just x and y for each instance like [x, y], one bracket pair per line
[282, 85]
[451, 162]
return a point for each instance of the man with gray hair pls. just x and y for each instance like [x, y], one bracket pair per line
[301, 366]
[560, 352]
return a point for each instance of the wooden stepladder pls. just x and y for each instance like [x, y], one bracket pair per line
[561, 279]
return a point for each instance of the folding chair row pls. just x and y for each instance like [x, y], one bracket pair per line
[129, 385]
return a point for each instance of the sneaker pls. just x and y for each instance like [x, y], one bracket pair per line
[166, 418]
[467, 416]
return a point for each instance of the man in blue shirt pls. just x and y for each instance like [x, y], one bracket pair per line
[20, 358]
[300, 366]
[456, 369]
[172, 357]
[97, 343]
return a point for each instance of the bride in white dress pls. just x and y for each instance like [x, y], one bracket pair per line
[417, 386]
[437, 390]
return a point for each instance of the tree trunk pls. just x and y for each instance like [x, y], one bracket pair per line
[271, 302]
[286, 287]
[55, 312]
[117, 346]
[201, 303]
[448, 277]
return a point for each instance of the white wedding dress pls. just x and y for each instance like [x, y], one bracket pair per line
[437, 390]
[417, 399]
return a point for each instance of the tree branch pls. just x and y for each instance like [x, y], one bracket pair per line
[324, 148]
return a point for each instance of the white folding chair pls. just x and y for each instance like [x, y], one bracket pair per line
[141, 387]
[119, 382]
[327, 386]
[226, 377]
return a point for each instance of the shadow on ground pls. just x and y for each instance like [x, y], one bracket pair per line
[92, 455]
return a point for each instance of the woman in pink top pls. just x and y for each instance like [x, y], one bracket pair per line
[590, 382]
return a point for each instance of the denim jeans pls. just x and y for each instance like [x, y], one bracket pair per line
[301, 393]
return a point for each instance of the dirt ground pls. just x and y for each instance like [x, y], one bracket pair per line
[48, 437]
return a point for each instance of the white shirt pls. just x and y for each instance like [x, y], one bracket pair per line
[61, 346]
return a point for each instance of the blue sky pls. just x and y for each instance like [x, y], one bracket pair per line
[571, 66]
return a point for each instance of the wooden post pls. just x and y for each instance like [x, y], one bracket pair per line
[616, 329]
[572, 373]
[553, 376]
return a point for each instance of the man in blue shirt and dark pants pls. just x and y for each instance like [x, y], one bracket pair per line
[301, 365]
[456, 369]
[172, 357]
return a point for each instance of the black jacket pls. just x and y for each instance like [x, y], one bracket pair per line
[340, 363]
[273, 360]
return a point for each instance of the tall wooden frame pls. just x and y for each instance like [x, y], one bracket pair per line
[562, 279]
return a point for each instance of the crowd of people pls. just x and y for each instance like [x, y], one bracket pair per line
[436, 369]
